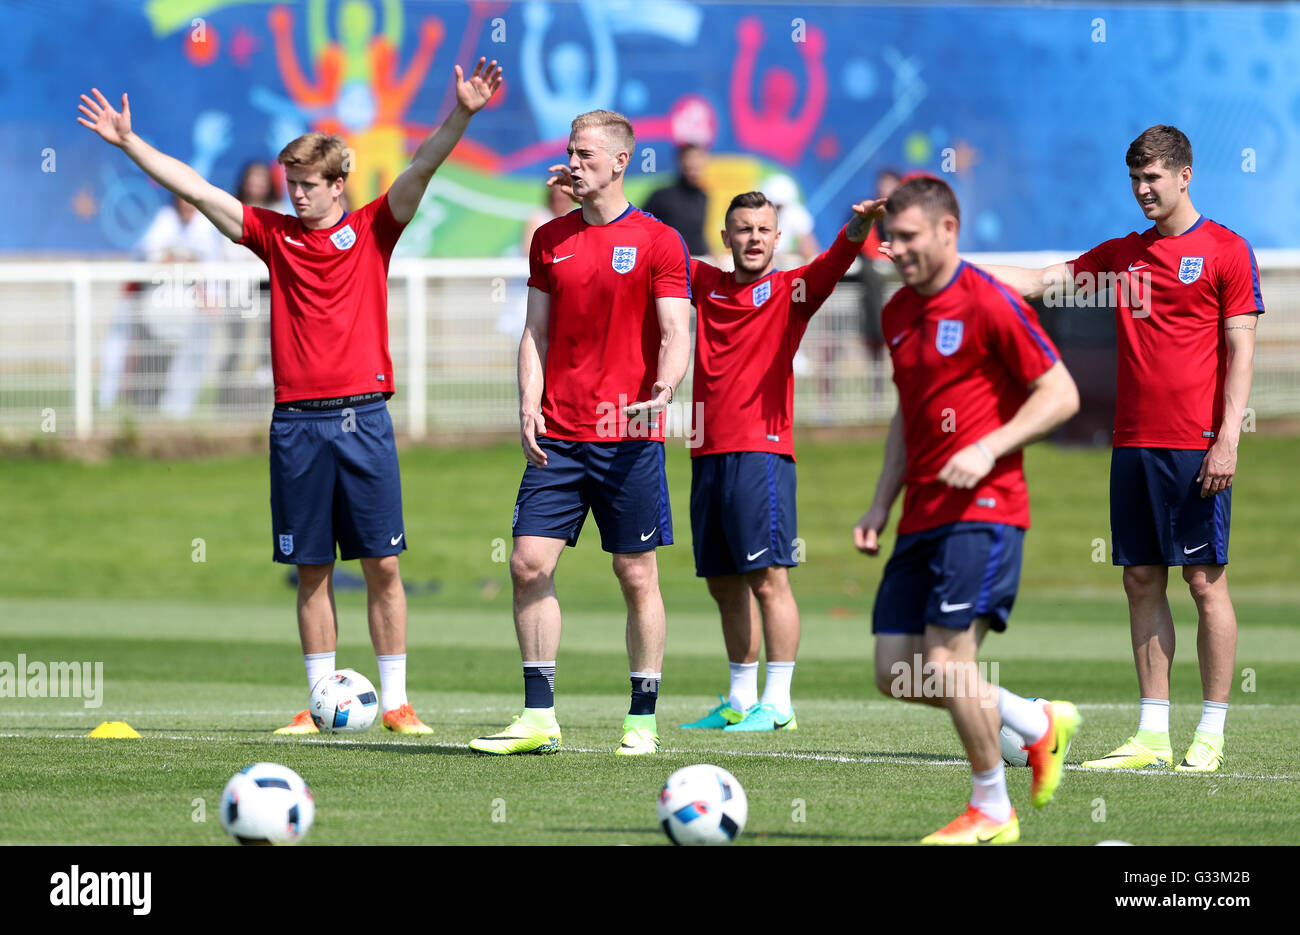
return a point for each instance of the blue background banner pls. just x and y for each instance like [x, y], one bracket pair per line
[1027, 111]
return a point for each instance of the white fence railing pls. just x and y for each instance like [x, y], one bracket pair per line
[99, 348]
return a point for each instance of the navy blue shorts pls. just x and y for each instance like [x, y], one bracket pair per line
[334, 478]
[948, 576]
[1157, 513]
[623, 483]
[742, 512]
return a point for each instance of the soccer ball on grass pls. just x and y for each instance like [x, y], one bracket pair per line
[345, 702]
[702, 804]
[267, 803]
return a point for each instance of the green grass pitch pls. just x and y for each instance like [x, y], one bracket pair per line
[202, 658]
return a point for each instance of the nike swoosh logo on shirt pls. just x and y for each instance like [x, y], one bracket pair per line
[1133, 266]
[296, 243]
[894, 341]
[714, 295]
[561, 259]
[946, 608]
[750, 558]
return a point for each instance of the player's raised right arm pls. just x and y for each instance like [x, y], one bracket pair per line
[866, 534]
[532, 375]
[220, 207]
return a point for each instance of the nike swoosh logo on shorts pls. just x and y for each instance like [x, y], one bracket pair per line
[648, 534]
[750, 558]
[1187, 551]
[397, 540]
[561, 259]
[946, 608]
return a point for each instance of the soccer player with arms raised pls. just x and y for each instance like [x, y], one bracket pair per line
[743, 516]
[977, 379]
[334, 471]
[1187, 303]
[605, 343]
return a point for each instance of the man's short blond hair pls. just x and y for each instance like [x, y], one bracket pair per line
[328, 155]
[617, 129]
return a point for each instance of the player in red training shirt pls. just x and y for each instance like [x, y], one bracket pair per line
[977, 380]
[743, 517]
[334, 471]
[1188, 301]
[605, 343]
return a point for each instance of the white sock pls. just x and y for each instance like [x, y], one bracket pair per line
[392, 681]
[1024, 716]
[776, 690]
[1213, 714]
[318, 665]
[1155, 715]
[989, 793]
[744, 685]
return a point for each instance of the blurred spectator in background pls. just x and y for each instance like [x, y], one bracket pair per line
[683, 204]
[794, 220]
[246, 376]
[156, 312]
[874, 265]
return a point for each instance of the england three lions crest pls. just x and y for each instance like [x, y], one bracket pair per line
[624, 259]
[948, 338]
[762, 292]
[1189, 270]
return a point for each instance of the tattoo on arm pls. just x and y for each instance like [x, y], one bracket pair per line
[1248, 327]
[857, 225]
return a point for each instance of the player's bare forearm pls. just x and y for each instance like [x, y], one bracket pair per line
[472, 94]
[220, 207]
[1240, 338]
[1053, 399]
[674, 347]
[1033, 283]
[894, 467]
[408, 188]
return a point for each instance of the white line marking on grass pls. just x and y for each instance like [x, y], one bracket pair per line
[769, 754]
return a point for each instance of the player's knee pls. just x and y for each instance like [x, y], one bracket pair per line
[1142, 580]
[635, 575]
[381, 571]
[527, 570]
[1203, 587]
[770, 584]
[311, 577]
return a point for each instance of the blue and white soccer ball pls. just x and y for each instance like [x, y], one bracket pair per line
[345, 702]
[1012, 744]
[702, 804]
[267, 803]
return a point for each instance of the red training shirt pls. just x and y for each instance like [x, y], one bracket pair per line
[329, 300]
[745, 341]
[1172, 297]
[963, 358]
[602, 341]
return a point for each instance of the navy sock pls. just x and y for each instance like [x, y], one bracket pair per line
[645, 692]
[539, 684]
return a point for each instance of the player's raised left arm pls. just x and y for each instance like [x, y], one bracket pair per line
[674, 352]
[472, 94]
[1053, 398]
[1220, 462]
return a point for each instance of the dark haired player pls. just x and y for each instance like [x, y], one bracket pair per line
[748, 328]
[1188, 301]
[977, 381]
